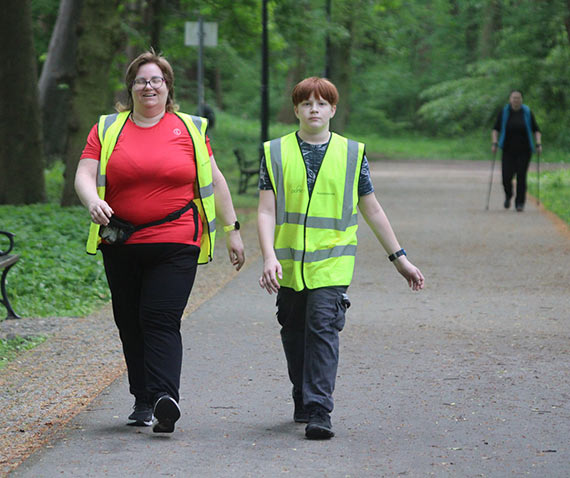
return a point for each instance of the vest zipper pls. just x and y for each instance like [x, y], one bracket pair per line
[308, 205]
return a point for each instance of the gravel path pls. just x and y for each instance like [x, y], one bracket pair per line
[470, 377]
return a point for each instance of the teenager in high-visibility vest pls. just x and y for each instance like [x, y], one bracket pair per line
[311, 183]
[153, 169]
[513, 132]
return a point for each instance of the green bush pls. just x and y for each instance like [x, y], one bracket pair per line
[54, 277]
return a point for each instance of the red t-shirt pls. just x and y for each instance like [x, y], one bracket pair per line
[151, 173]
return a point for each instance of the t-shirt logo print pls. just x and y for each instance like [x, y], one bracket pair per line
[177, 132]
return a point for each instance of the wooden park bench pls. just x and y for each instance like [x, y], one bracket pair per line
[7, 260]
[247, 169]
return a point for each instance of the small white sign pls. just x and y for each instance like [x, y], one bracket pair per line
[191, 33]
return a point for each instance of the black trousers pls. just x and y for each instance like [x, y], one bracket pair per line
[310, 324]
[150, 285]
[515, 163]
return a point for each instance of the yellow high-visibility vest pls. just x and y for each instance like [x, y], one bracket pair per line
[109, 128]
[315, 236]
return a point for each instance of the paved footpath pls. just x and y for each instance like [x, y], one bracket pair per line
[469, 378]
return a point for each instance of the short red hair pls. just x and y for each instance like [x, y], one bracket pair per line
[321, 87]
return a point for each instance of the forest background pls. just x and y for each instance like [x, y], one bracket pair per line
[417, 78]
[440, 68]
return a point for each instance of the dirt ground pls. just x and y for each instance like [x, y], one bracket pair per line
[470, 377]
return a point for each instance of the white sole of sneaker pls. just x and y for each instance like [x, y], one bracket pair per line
[141, 423]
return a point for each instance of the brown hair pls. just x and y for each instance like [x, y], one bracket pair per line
[149, 57]
[321, 87]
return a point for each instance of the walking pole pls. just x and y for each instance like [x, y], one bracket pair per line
[491, 180]
[538, 177]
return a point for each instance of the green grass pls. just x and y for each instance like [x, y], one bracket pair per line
[9, 348]
[54, 277]
[474, 147]
[554, 191]
[420, 147]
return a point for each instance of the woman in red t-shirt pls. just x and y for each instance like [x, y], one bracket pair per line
[151, 173]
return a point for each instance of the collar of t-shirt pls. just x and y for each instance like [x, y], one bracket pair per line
[313, 155]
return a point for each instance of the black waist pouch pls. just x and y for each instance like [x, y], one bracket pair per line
[118, 230]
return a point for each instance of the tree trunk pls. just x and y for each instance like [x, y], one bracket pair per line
[133, 17]
[471, 33]
[341, 76]
[341, 67]
[154, 22]
[491, 24]
[99, 41]
[57, 77]
[21, 157]
[294, 75]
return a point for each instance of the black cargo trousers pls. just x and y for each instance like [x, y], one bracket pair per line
[310, 324]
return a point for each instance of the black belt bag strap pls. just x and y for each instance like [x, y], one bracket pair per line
[118, 230]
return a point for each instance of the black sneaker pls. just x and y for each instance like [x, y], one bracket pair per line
[301, 414]
[319, 427]
[507, 203]
[142, 414]
[166, 412]
[520, 207]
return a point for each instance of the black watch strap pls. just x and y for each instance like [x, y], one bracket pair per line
[397, 254]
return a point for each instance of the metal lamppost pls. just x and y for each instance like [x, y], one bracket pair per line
[264, 77]
[201, 34]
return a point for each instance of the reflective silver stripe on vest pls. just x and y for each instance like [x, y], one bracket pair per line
[315, 256]
[197, 122]
[101, 178]
[277, 167]
[207, 190]
[348, 218]
[109, 120]
[321, 222]
[294, 218]
[332, 223]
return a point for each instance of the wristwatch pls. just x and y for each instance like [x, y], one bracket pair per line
[393, 257]
[232, 227]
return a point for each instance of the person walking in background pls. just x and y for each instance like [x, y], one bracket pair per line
[513, 133]
[311, 183]
[153, 190]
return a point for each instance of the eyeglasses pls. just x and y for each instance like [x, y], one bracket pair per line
[155, 83]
